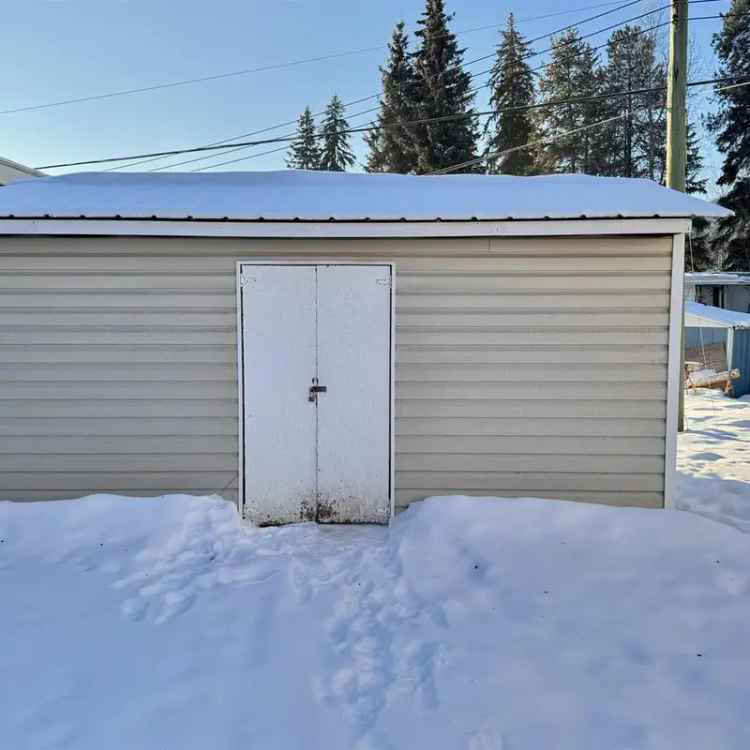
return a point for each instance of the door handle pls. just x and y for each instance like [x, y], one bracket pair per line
[315, 390]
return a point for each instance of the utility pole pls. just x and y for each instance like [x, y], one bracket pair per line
[677, 97]
[677, 137]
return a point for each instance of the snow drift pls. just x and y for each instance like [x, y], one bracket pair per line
[470, 623]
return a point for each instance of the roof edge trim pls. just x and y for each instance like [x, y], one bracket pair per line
[342, 229]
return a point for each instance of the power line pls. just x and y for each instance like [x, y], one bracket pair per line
[473, 75]
[596, 48]
[421, 121]
[495, 155]
[377, 95]
[593, 49]
[660, 9]
[499, 154]
[492, 156]
[574, 25]
[235, 149]
[276, 150]
[245, 135]
[232, 150]
[188, 81]
[471, 62]
[241, 158]
[732, 86]
[257, 69]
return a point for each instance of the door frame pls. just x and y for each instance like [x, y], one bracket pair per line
[241, 364]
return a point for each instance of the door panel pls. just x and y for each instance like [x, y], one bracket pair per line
[278, 337]
[354, 330]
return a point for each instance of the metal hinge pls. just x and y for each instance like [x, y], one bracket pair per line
[384, 282]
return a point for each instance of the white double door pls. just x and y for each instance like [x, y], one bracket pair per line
[316, 364]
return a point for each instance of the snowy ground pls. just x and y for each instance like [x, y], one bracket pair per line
[714, 458]
[485, 625]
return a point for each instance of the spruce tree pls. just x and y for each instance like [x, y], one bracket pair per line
[635, 144]
[442, 90]
[573, 72]
[731, 128]
[304, 152]
[511, 86]
[699, 253]
[335, 153]
[694, 180]
[650, 118]
[732, 239]
[392, 147]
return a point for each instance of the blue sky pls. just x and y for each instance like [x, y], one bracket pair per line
[60, 49]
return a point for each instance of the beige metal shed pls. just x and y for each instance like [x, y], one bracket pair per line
[534, 326]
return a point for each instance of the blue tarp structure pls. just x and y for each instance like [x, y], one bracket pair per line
[698, 337]
[735, 326]
[741, 360]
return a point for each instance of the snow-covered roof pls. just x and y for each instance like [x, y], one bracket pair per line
[705, 316]
[717, 278]
[337, 196]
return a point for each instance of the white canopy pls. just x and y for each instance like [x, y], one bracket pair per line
[10, 171]
[705, 316]
[717, 278]
[338, 196]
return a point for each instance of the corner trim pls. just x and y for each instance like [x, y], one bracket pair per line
[674, 377]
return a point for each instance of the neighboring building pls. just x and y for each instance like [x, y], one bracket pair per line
[720, 332]
[729, 291]
[10, 171]
[329, 346]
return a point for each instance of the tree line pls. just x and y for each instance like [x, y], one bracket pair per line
[729, 241]
[427, 119]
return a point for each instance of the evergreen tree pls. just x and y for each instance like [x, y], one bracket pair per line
[511, 85]
[694, 181]
[731, 128]
[392, 148]
[442, 90]
[573, 72]
[635, 144]
[732, 240]
[699, 253]
[650, 118]
[304, 151]
[335, 154]
[731, 124]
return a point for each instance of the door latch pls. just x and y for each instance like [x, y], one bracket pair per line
[315, 390]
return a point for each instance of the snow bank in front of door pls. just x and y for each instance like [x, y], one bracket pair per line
[470, 623]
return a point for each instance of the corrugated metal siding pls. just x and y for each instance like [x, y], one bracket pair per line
[741, 360]
[524, 367]
[698, 337]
